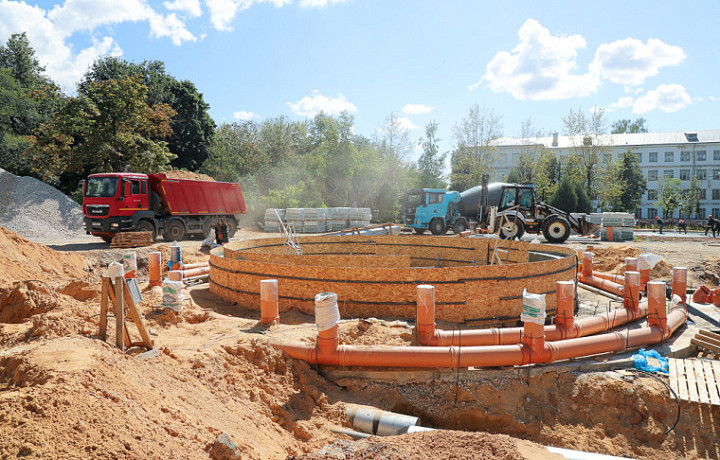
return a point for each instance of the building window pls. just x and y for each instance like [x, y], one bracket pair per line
[716, 213]
[716, 194]
[652, 212]
[652, 174]
[639, 158]
[684, 156]
[701, 155]
[716, 155]
[716, 174]
[669, 173]
[669, 157]
[652, 157]
[700, 214]
[652, 195]
[684, 174]
[701, 174]
[703, 194]
[638, 213]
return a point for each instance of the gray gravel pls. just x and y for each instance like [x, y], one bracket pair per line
[36, 210]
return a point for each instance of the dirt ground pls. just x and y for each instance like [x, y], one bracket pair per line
[66, 394]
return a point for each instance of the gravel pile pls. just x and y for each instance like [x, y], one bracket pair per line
[36, 210]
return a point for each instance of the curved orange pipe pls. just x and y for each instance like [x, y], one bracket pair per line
[484, 356]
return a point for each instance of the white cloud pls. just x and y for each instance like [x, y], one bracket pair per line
[244, 116]
[222, 12]
[318, 3]
[170, 26]
[417, 109]
[621, 103]
[630, 62]
[189, 7]
[405, 124]
[311, 106]
[540, 67]
[668, 98]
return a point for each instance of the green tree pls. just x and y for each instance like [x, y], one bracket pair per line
[546, 173]
[690, 199]
[474, 152]
[108, 127]
[587, 150]
[584, 204]
[192, 126]
[431, 163]
[629, 126]
[394, 176]
[564, 196]
[629, 182]
[669, 196]
[513, 176]
[27, 99]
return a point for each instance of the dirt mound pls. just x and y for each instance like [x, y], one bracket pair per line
[22, 259]
[612, 260]
[179, 174]
[709, 271]
[435, 444]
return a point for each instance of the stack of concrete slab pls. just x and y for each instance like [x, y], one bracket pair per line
[617, 226]
[271, 219]
[318, 220]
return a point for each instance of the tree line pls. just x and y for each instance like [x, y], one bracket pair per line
[128, 116]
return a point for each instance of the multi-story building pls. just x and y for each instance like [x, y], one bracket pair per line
[679, 155]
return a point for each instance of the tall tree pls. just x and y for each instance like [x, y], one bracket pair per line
[629, 126]
[690, 199]
[107, 128]
[192, 126]
[669, 196]
[474, 152]
[629, 182]
[564, 196]
[546, 173]
[587, 149]
[431, 163]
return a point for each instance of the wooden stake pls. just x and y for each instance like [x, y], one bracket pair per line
[119, 314]
[104, 307]
[135, 315]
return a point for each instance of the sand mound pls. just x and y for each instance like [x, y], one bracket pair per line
[21, 259]
[612, 260]
[178, 174]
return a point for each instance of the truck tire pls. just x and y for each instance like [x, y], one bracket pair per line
[437, 227]
[232, 226]
[514, 228]
[107, 239]
[460, 226]
[556, 229]
[174, 231]
[146, 226]
[419, 231]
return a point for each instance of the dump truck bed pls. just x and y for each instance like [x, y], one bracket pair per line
[184, 196]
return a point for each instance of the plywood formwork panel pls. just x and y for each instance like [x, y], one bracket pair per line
[464, 293]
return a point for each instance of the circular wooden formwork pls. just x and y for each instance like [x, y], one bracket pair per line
[377, 276]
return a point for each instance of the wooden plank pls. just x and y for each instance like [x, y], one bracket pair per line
[713, 392]
[701, 382]
[703, 344]
[708, 338]
[672, 367]
[710, 334]
[135, 315]
[104, 296]
[692, 384]
[119, 313]
[682, 381]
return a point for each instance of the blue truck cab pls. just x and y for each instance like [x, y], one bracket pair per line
[434, 209]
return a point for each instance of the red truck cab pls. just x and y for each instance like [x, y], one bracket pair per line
[122, 202]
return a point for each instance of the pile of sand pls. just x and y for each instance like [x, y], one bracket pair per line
[612, 260]
[180, 174]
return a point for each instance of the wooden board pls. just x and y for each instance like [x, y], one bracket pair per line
[695, 380]
[131, 240]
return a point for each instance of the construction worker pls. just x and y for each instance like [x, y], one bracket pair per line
[660, 222]
[713, 225]
[682, 227]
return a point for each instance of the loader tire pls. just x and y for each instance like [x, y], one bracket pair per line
[556, 229]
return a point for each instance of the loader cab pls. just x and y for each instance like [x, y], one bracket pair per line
[521, 196]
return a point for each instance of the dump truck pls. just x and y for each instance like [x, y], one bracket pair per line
[175, 208]
[511, 208]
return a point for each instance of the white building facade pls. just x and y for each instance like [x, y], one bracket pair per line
[679, 155]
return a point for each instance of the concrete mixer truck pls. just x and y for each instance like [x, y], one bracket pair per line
[512, 208]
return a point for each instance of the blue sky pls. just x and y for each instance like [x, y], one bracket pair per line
[421, 60]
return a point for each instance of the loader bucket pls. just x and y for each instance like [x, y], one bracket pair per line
[588, 227]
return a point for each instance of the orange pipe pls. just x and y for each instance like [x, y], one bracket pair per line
[269, 305]
[657, 305]
[644, 278]
[175, 275]
[610, 277]
[605, 285]
[195, 272]
[587, 264]
[485, 356]
[679, 282]
[154, 262]
[631, 291]
[425, 323]
[631, 264]
[565, 301]
[197, 265]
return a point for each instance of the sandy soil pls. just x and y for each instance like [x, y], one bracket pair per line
[66, 394]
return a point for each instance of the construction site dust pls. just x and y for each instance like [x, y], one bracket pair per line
[414, 349]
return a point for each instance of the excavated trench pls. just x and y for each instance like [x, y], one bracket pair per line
[618, 412]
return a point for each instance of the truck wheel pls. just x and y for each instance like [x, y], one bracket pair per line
[175, 231]
[513, 228]
[419, 231]
[556, 229]
[437, 227]
[232, 226]
[460, 226]
[146, 226]
[107, 239]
